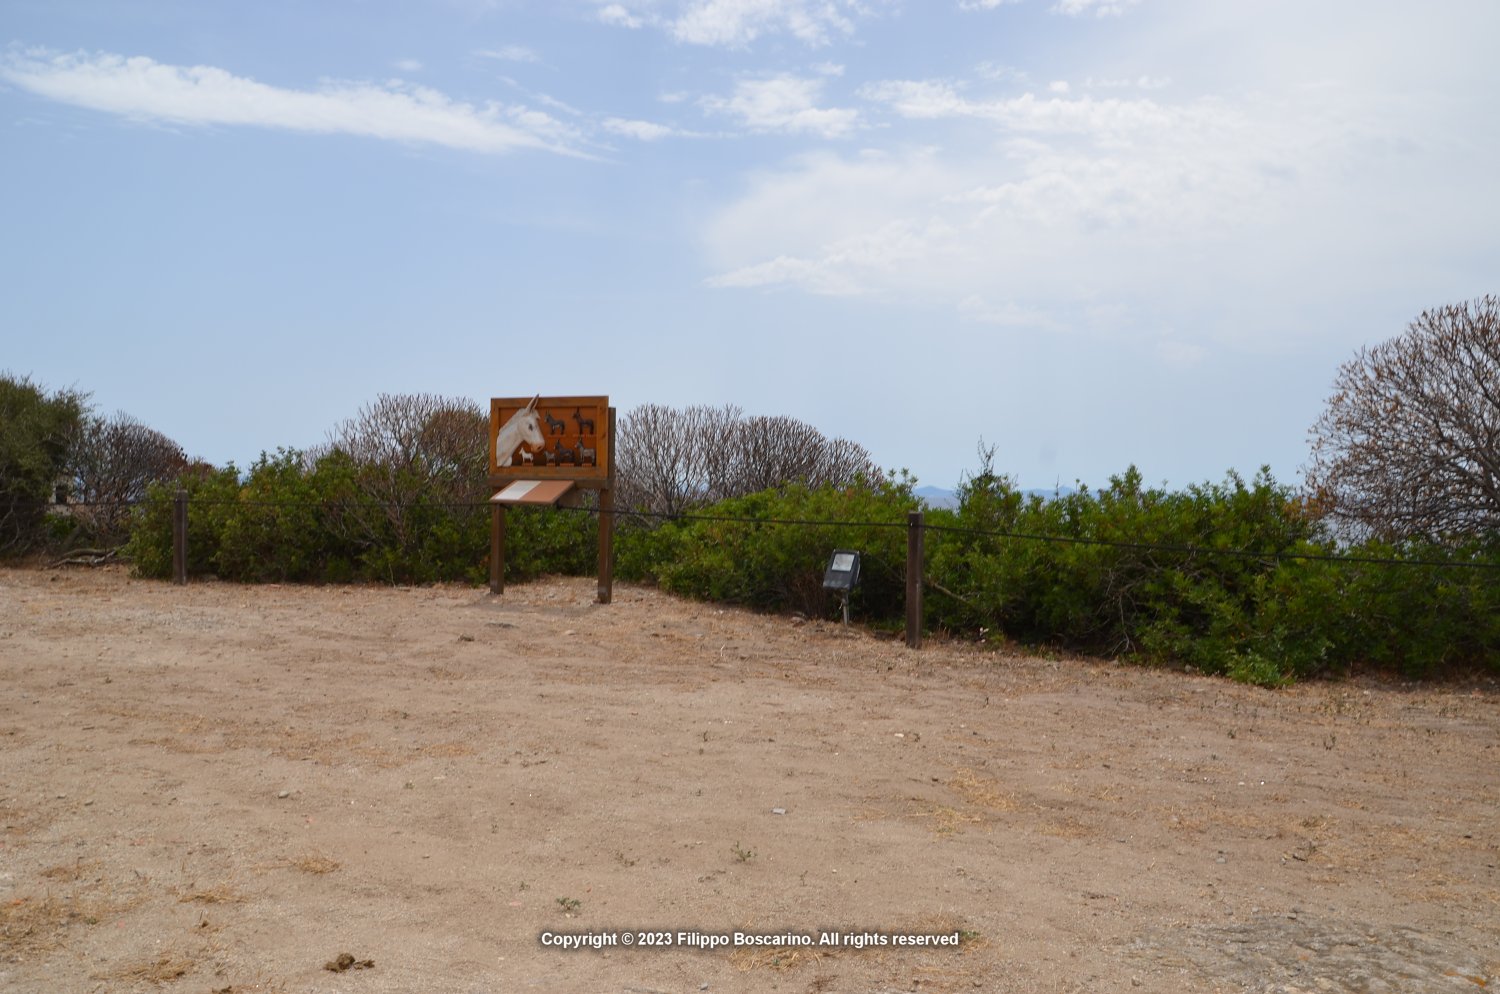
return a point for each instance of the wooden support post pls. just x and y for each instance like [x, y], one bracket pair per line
[179, 537]
[915, 531]
[606, 546]
[607, 522]
[497, 549]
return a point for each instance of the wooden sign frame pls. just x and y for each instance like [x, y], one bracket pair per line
[587, 424]
[577, 443]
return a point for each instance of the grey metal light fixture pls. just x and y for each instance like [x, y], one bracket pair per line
[842, 575]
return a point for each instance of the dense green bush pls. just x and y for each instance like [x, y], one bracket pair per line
[1117, 560]
[1226, 578]
[539, 540]
[213, 493]
[36, 430]
[288, 520]
[1418, 620]
[1235, 577]
[733, 551]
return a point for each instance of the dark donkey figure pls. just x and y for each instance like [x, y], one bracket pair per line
[555, 426]
[585, 425]
[564, 456]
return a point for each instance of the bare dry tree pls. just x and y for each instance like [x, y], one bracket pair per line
[1409, 445]
[771, 451]
[430, 440]
[718, 452]
[412, 447]
[111, 463]
[669, 460]
[659, 464]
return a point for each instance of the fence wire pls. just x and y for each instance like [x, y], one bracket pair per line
[1177, 549]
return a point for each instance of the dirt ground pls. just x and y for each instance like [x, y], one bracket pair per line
[220, 788]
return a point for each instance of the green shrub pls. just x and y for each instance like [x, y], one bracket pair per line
[1418, 620]
[211, 494]
[36, 430]
[1157, 576]
[541, 540]
[1231, 578]
[734, 551]
[286, 520]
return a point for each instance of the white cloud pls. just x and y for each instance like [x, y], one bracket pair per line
[1005, 315]
[837, 224]
[1171, 218]
[737, 23]
[1109, 119]
[139, 87]
[1268, 196]
[786, 104]
[918, 98]
[509, 53]
[1073, 8]
[995, 72]
[1137, 83]
[408, 65]
[1179, 354]
[645, 131]
[1098, 8]
[845, 267]
[619, 15]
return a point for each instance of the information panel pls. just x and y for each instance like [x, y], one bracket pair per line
[551, 438]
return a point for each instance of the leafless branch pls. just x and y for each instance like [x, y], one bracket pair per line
[1409, 444]
[671, 460]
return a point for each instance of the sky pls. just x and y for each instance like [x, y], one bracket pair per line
[1088, 233]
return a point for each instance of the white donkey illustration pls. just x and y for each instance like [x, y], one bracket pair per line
[522, 429]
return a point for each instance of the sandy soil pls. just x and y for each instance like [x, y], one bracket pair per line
[221, 788]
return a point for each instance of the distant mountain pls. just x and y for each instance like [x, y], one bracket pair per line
[936, 497]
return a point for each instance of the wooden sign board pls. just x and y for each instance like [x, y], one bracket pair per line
[534, 493]
[551, 438]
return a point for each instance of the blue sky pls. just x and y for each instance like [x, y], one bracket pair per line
[1091, 232]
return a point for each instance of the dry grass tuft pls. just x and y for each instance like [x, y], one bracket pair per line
[446, 750]
[68, 872]
[17, 822]
[166, 967]
[945, 820]
[221, 893]
[315, 864]
[778, 958]
[28, 924]
[968, 939]
[1067, 828]
[980, 791]
[37, 922]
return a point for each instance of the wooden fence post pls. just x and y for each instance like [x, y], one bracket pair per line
[497, 548]
[606, 546]
[915, 531]
[607, 521]
[179, 537]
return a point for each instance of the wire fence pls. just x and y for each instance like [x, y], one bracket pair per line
[1180, 549]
